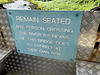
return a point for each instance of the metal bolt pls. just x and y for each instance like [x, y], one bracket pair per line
[10, 13]
[77, 14]
[19, 50]
[71, 59]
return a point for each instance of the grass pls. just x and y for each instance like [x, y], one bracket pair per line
[67, 4]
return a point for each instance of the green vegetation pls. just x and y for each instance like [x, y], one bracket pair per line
[6, 1]
[68, 4]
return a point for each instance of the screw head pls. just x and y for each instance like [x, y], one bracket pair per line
[10, 13]
[71, 59]
[77, 14]
[19, 50]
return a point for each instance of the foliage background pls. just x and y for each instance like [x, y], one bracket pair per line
[67, 4]
[6, 1]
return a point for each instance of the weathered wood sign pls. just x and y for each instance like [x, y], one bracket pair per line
[50, 34]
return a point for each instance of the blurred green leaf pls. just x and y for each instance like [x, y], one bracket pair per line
[6, 1]
[68, 4]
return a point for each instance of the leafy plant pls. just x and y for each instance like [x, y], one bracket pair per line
[68, 4]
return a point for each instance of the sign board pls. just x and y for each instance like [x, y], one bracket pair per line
[50, 34]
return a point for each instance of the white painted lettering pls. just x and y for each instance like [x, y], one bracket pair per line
[32, 39]
[45, 41]
[43, 46]
[22, 32]
[63, 21]
[59, 30]
[27, 19]
[19, 26]
[62, 43]
[22, 38]
[45, 35]
[56, 53]
[33, 50]
[34, 27]
[43, 51]
[29, 44]
[58, 48]
[34, 34]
